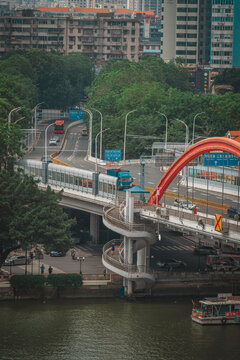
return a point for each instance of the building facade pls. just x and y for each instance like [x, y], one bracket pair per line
[205, 32]
[101, 37]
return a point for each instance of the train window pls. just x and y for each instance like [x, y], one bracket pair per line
[105, 188]
[67, 178]
[71, 179]
[62, 177]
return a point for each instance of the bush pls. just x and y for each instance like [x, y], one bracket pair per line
[61, 281]
[23, 282]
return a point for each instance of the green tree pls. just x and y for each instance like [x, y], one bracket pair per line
[229, 77]
[29, 216]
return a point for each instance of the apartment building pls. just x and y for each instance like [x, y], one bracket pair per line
[205, 32]
[225, 34]
[180, 20]
[101, 37]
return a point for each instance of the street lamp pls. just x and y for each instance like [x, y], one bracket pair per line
[90, 131]
[125, 134]
[35, 117]
[166, 127]
[100, 132]
[101, 119]
[10, 115]
[46, 140]
[80, 258]
[187, 132]
[193, 132]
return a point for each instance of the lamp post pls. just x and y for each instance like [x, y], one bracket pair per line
[193, 132]
[187, 132]
[125, 134]
[9, 123]
[80, 258]
[166, 127]
[46, 140]
[101, 120]
[35, 117]
[100, 132]
[10, 115]
[90, 131]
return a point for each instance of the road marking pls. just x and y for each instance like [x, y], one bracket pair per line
[173, 248]
[151, 183]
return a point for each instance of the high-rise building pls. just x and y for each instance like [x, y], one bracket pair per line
[205, 32]
[180, 20]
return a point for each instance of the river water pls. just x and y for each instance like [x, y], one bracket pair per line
[111, 330]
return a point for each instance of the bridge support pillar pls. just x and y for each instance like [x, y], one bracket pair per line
[129, 287]
[141, 260]
[130, 251]
[94, 228]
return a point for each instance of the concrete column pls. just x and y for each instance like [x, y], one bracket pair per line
[141, 260]
[94, 227]
[129, 287]
[130, 251]
[125, 253]
[131, 208]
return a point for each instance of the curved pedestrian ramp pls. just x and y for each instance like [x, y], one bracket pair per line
[129, 256]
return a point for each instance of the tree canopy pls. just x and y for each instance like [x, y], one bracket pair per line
[30, 216]
[229, 77]
[152, 87]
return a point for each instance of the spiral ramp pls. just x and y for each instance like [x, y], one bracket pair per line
[129, 257]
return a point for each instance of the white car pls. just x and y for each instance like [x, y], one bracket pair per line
[185, 204]
[52, 142]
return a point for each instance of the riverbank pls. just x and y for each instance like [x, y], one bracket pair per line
[111, 287]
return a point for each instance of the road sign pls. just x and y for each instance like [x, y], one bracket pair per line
[76, 115]
[112, 155]
[220, 159]
[218, 222]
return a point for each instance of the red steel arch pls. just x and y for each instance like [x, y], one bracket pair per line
[201, 147]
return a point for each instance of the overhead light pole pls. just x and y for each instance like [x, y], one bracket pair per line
[166, 127]
[10, 115]
[187, 132]
[46, 140]
[35, 118]
[90, 131]
[96, 159]
[193, 132]
[125, 134]
[101, 132]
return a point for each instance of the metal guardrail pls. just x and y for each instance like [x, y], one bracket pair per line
[181, 214]
[115, 219]
[116, 262]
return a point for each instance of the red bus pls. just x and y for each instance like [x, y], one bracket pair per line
[59, 127]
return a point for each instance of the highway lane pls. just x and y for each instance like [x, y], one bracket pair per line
[75, 150]
[174, 245]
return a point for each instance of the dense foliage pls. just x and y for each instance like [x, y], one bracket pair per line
[229, 77]
[62, 281]
[29, 216]
[36, 76]
[25, 282]
[151, 86]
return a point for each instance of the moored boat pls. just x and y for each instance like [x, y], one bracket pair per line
[220, 310]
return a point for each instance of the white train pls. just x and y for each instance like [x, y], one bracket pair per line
[70, 178]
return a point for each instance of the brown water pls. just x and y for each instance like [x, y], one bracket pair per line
[111, 329]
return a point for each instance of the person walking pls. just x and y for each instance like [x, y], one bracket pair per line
[42, 268]
[50, 269]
